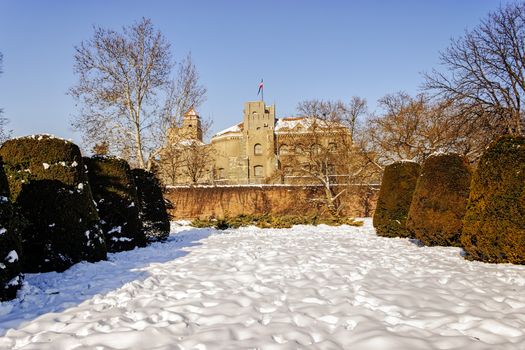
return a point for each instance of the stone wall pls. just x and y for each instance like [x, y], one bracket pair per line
[218, 201]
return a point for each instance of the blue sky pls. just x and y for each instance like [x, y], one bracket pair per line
[303, 49]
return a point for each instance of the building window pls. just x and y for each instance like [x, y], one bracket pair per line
[284, 149]
[332, 147]
[258, 171]
[221, 173]
[299, 149]
[257, 149]
[316, 149]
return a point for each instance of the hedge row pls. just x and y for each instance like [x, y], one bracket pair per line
[57, 208]
[482, 211]
[494, 224]
[395, 195]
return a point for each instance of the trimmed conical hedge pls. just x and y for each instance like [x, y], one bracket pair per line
[494, 224]
[10, 245]
[117, 202]
[49, 187]
[395, 196]
[155, 218]
[440, 200]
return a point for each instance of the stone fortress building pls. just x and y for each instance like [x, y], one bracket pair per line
[253, 151]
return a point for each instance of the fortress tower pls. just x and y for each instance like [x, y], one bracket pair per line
[258, 141]
[191, 126]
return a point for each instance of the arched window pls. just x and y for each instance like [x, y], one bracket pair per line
[284, 149]
[316, 148]
[221, 174]
[299, 149]
[257, 149]
[258, 171]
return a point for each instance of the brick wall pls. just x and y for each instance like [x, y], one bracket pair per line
[219, 201]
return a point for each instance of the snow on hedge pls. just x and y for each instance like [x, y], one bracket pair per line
[305, 287]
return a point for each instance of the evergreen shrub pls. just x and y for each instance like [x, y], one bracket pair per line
[494, 223]
[49, 188]
[10, 245]
[269, 221]
[117, 202]
[155, 218]
[440, 200]
[395, 195]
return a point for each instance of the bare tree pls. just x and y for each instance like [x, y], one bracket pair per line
[355, 110]
[322, 151]
[4, 134]
[185, 160]
[415, 127]
[123, 76]
[183, 93]
[197, 161]
[485, 71]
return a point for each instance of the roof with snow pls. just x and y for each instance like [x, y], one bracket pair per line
[236, 129]
[282, 125]
[191, 113]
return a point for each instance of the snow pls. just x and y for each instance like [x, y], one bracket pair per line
[116, 229]
[46, 166]
[2, 230]
[292, 123]
[191, 142]
[11, 257]
[237, 128]
[306, 287]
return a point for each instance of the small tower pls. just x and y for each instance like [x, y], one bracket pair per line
[191, 126]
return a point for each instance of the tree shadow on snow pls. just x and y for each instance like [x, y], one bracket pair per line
[54, 292]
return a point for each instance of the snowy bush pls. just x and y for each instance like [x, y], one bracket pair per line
[494, 224]
[440, 200]
[117, 202]
[49, 187]
[395, 196]
[269, 221]
[10, 246]
[155, 218]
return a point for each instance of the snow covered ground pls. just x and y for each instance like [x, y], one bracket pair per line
[306, 287]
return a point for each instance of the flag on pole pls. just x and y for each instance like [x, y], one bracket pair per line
[261, 87]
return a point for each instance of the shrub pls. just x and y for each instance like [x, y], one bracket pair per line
[268, 221]
[117, 202]
[395, 196]
[494, 223]
[155, 218]
[440, 200]
[10, 245]
[49, 187]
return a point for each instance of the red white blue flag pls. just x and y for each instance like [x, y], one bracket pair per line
[261, 87]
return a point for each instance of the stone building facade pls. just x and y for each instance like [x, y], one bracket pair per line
[246, 152]
[259, 149]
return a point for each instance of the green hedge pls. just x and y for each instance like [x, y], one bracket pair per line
[155, 218]
[395, 195]
[10, 245]
[494, 224]
[268, 221]
[117, 202]
[49, 188]
[440, 200]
